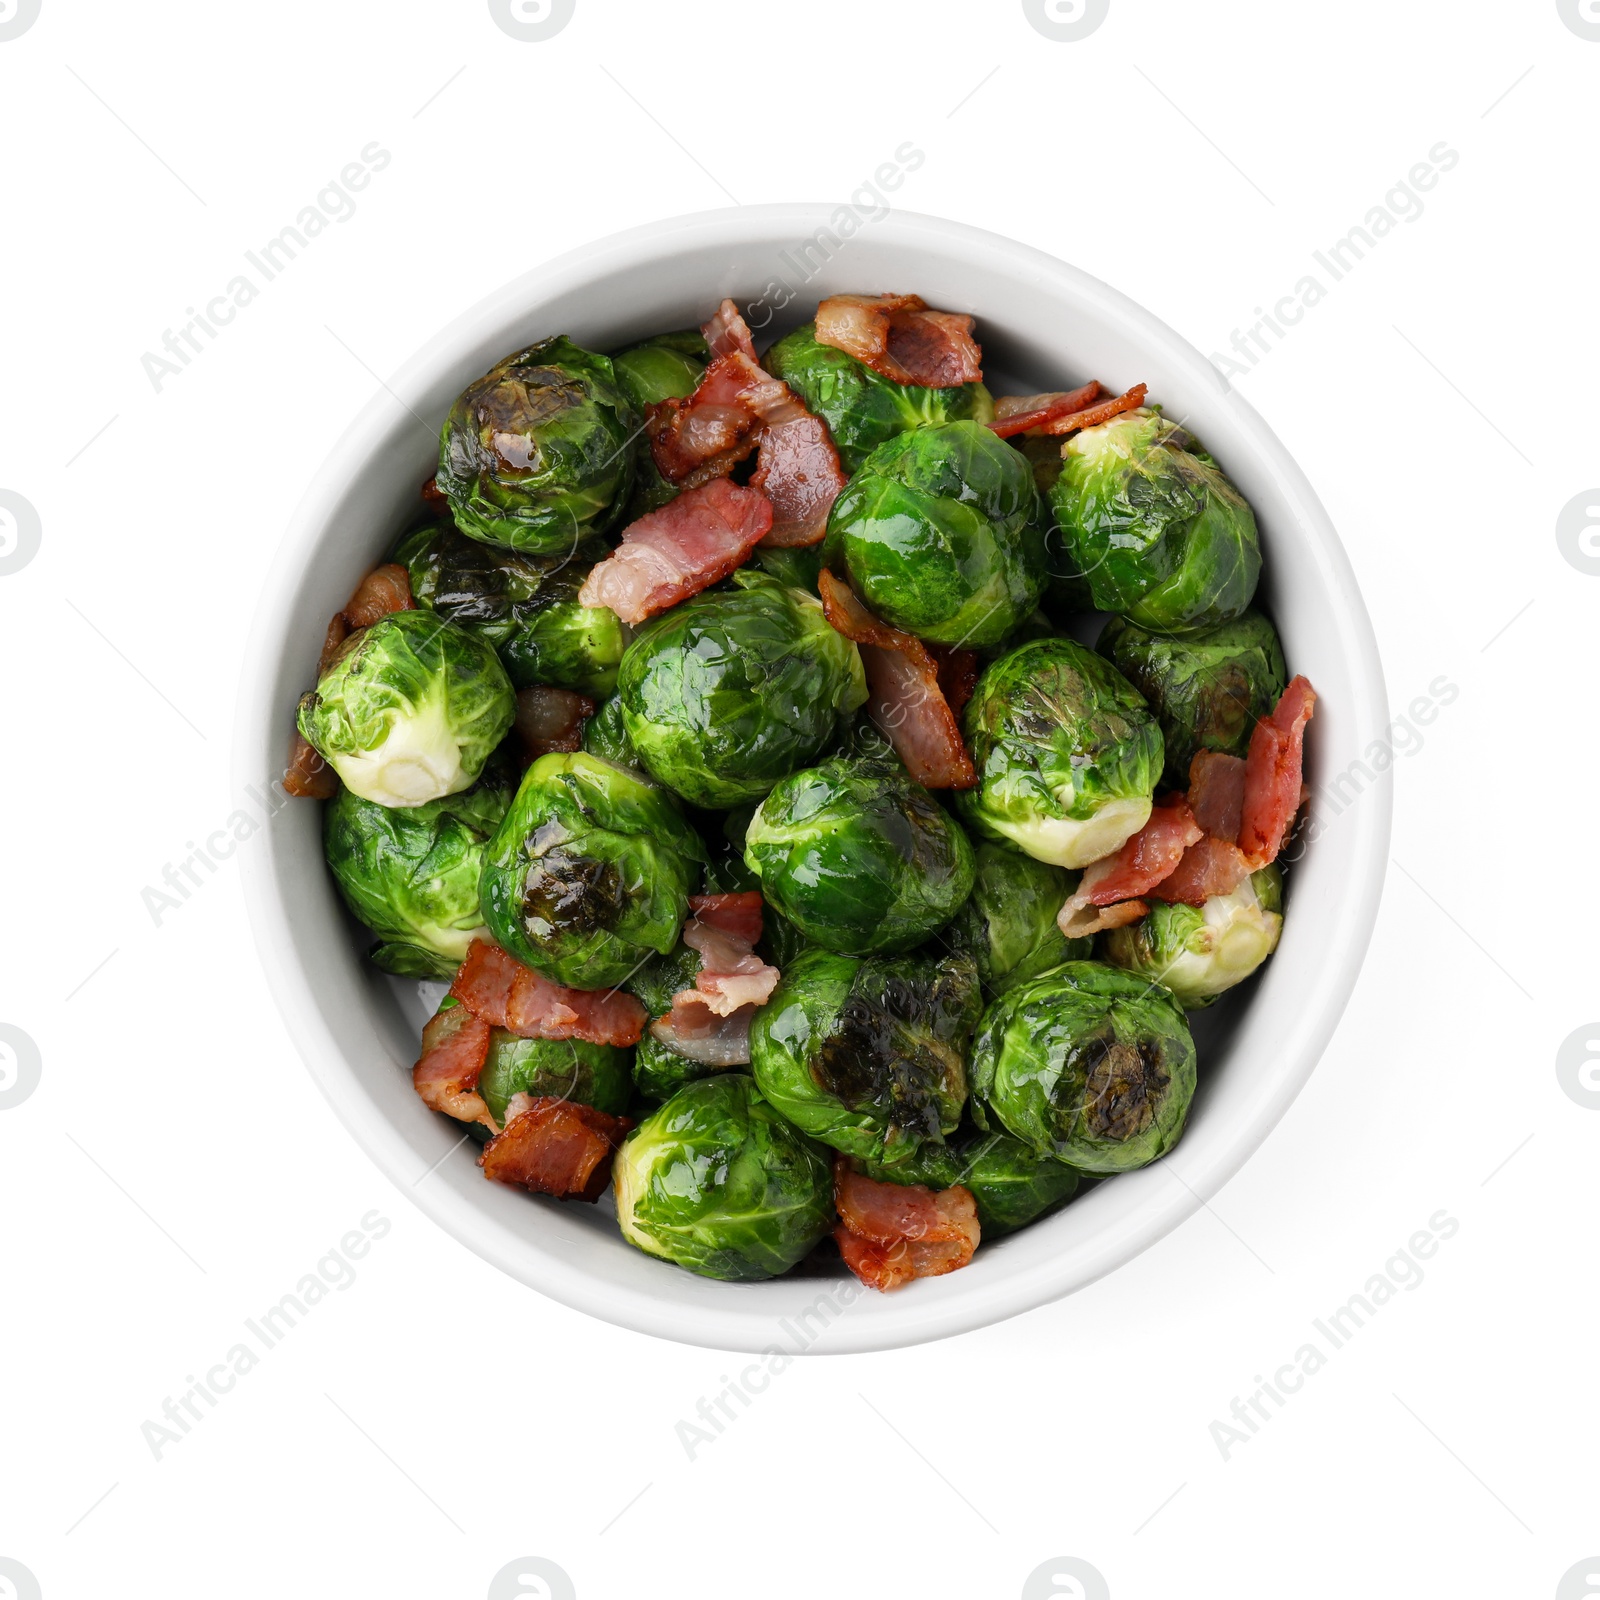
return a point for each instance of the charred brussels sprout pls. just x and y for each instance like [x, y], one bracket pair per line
[716, 1181]
[1011, 1185]
[567, 1069]
[1208, 690]
[525, 606]
[1066, 751]
[668, 367]
[412, 874]
[589, 872]
[868, 1056]
[1159, 533]
[410, 711]
[1088, 1064]
[1008, 924]
[538, 453]
[1199, 951]
[941, 532]
[862, 408]
[734, 689]
[858, 857]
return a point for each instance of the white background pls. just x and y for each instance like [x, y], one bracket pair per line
[176, 1171]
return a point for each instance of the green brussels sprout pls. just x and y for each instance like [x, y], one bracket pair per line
[1159, 533]
[1199, 951]
[411, 874]
[1008, 924]
[589, 872]
[526, 606]
[1067, 754]
[862, 408]
[1089, 1064]
[668, 367]
[797, 567]
[410, 710]
[716, 1181]
[868, 1056]
[1011, 1185]
[734, 689]
[859, 857]
[942, 534]
[569, 1069]
[1208, 690]
[658, 1070]
[538, 453]
[606, 735]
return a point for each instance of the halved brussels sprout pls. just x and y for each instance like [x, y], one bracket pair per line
[412, 874]
[410, 711]
[862, 408]
[589, 872]
[868, 1056]
[1208, 690]
[1066, 751]
[942, 534]
[567, 1069]
[1199, 951]
[1011, 1185]
[1088, 1064]
[858, 857]
[525, 606]
[668, 367]
[538, 453]
[1008, 924]
[1157, 530]
[716, 1181]
[734, 689]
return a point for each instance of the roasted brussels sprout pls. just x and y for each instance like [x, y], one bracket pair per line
[525, 606]
[862, 408]
[538, 453]
[858, 857]
[411, 874]
[589, 872]
[1008, 924]
[1012, 1185]
[658, 1070]
[1066, 751]
[797, 567]
[568, 1069]
[734, 689]
[868, 1056]
[716, 1181]
[1208, 690]
[1089, 1064]
[942, 534]
[606, 735]
[1199, 951]
[1158, 532]
[410, 711]
[667, 367]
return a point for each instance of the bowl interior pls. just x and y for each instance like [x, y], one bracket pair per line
[1042, 325]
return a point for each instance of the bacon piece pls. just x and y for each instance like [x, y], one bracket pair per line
[308, 776]
[497, 987]
[455, 1045]
[890, 1233]
[551, 719]
[1018, 413]
[905, 701]
[689, 544]
[338, 632]
[727, 332]
[1209, 867]
[737, 915]
[1094, 415]
[799, 471]
[556, 1147]
[958, 675]
[730, 975]
[1150, 856]
[718, 422]
[697, 1033]
[1080, 921]
[384, 590]
[1272, 787]
[434, 498]
[1216, 793]
[896, 335]
[710, 1022]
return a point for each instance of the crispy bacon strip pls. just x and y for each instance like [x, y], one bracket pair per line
[1093, 416]
[710, 1021]
[890, 1233]
[551, 719]
[455, 1045]
[728, 332]
[689, 544]
[1119, 880]
[1209, 867]
[799, 471]
[898, 336]
[906, 701]
[697, 1033]
[1080, 921]
[1020, 413]
[1216, 793]
[1272, 776]
[737, 915]
[498, 988]
[308, 776]
[556, 1147]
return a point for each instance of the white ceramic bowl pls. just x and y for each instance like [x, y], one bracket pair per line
[1044, 325]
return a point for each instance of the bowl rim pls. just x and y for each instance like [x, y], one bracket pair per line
[736, 1327]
